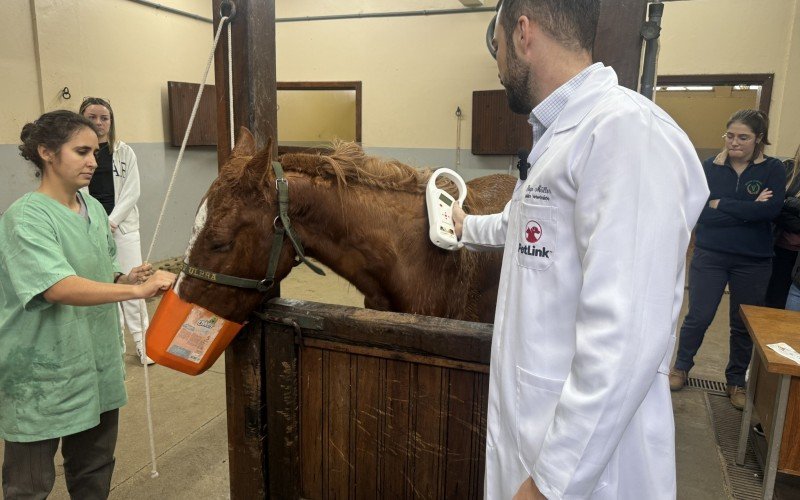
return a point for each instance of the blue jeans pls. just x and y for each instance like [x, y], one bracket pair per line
[793, 299]
[747, 278]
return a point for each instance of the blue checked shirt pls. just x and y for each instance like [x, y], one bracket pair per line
[548, 110]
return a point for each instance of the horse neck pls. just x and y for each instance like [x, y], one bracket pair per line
[362, 237]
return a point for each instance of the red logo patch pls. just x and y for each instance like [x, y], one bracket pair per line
[533, 232]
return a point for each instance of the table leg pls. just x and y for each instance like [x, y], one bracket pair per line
[747, 413]
[774, 443]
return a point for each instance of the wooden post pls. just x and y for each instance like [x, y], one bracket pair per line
[618, 43]
[255, 107]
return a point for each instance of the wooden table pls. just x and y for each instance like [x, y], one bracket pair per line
[770, 326]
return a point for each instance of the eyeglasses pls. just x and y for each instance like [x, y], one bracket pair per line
[741, 137]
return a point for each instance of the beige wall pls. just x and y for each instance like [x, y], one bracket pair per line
[740, 36]
[316, 115]
[703, 115]
[112, 48]
[415, 70]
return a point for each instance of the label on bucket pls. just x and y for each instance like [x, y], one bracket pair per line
[196, 335]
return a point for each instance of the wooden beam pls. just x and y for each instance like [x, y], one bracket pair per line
[618, 43]
[255, 107]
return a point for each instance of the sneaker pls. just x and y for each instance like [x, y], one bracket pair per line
[677, 379]
[738, 396]
[145, 360]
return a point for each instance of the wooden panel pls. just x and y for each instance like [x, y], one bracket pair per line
[496, 130]
[337, 435]
[394, 450]
[789, 460]
[427, 447]
[390, 428]
[463, 436]
[246, 420]
[311, 422]
[617, 42]
[367, 422]
[452, 339]
[280, 385]
[181, 101]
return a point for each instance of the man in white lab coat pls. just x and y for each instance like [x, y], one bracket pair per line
[592, 280]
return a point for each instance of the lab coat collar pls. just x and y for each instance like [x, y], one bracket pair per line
[585, 98]
[580, 103]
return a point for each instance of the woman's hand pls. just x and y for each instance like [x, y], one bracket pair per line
[138, 274]
[158, 283]
[713, 203]
[112, 226]
[764, 195]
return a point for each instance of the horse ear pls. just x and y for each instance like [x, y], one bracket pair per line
[263, 158]
[245, 144]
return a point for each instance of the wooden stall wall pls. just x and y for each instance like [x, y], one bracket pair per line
[390, 405]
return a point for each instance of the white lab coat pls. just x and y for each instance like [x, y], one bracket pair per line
[590, 291]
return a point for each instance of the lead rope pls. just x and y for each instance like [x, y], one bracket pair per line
[142, 310]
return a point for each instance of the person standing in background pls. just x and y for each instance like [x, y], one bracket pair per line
[733, 245]
[115, 184]
[787, 237]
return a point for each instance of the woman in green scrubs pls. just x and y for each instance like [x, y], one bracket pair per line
[61, 368]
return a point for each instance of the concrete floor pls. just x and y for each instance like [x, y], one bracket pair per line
[191, 437]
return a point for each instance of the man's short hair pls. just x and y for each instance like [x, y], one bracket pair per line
[572, 23]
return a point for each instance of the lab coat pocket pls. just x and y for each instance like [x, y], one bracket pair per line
[536, 236]
[537, 398]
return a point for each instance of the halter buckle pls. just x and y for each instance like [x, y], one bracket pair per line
[265, 284]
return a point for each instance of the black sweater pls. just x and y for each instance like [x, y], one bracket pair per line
[739, 224]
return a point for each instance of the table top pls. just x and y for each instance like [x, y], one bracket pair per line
[770, 326]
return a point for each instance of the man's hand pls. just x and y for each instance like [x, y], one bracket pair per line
[112, 226]
[458, 219]
[529, 491]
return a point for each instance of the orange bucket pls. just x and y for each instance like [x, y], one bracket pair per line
[187, 337]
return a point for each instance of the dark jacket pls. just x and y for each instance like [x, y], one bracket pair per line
[789, 218]
[739, 225]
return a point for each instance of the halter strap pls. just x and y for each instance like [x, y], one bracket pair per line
[281, 229]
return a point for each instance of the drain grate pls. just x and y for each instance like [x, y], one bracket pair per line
[745, 480]
[711, 386]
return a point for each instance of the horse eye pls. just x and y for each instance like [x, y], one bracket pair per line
[221, 247]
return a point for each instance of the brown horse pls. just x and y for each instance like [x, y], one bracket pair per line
[363, 217]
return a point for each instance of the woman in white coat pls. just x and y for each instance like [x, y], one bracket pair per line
[592, 279]
[116, 185]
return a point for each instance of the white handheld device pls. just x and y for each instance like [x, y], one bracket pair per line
[440, 210]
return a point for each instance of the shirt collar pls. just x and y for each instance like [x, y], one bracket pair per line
[546, 112]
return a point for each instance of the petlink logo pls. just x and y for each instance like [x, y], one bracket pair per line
[533, 251]
[533, 231]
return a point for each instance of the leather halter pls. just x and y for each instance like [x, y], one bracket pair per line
[283, 226]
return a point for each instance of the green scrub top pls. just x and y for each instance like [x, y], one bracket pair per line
[60, 366]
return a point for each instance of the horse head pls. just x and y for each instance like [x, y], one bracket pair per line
[232, 236]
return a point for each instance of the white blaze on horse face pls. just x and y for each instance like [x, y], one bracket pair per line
[199, 224]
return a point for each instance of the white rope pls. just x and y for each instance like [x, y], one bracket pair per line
[222, 22]
[230, 86]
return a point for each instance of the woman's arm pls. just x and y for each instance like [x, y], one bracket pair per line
[76, 291]
[759, 210]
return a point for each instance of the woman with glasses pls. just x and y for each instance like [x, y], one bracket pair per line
[115, 184]
[733, 245]
[787, 237]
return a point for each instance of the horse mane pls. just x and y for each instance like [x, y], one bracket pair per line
[348, 164]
